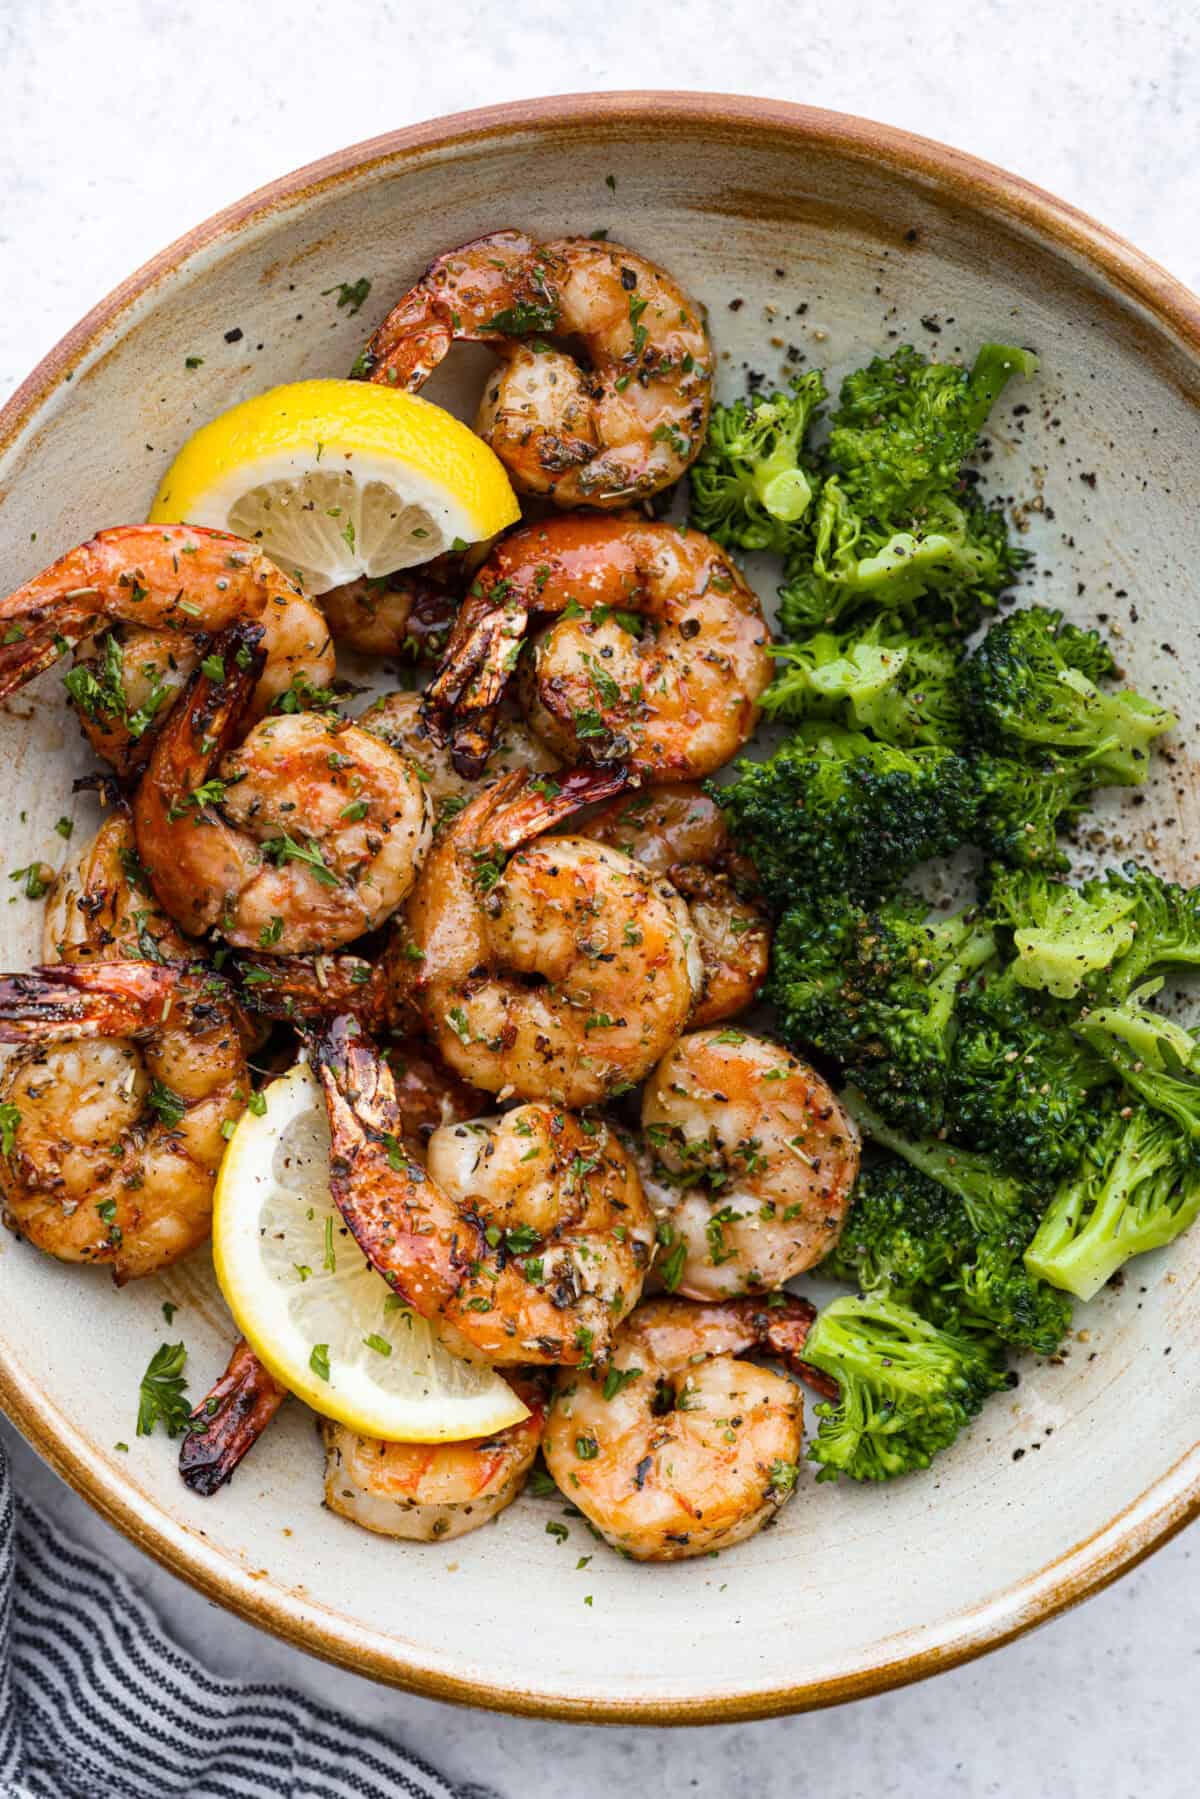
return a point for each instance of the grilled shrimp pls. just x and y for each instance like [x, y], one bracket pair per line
[304, 836]
[682, 1446]
[561, 971]
[657, 655]
[406, 615]
[430, 1492]
[530, 1270]
[681, 833]
[620, 423]
[101, 908]
[399, 719]
[160, 592]
[752, 1160]
[236, 1411]
[116, 1113]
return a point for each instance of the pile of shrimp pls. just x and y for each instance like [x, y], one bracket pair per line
[503, 915]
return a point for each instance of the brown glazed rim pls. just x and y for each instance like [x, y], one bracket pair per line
[1171, 1501]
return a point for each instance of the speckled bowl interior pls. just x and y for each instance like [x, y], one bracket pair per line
[811, 238]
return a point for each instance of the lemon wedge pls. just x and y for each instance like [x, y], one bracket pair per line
[336, 479]
[325, 1324]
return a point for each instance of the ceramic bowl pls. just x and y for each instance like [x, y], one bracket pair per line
[813, 238]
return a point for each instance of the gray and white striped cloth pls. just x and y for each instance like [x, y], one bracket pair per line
[95, 1703]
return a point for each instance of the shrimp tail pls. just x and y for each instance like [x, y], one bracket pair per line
[782, 1331]
[392, 1208]
[521, 806]
[229, 1421]
[202, 727]
[312, 988]
[87, 999]
[462, 702]
[48, 616]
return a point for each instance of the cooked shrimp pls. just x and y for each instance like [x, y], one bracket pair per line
[752, 1163]
[657, 655]
[228, 1422]
[525, 1269]
[617, 425]
[562, 971]
[161, 591]
[430, 1492]
[682, 1446]
[399, 719]
[101, 907]
[307, 834]
[681, 833]
[116, 1115]
[236, 1411]
[406, 615]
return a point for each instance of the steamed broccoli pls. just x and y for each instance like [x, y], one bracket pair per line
[906, 1386]
[989, 1285]
[1153, 1055]
[1137, 1189]
[1020, 1086]
[1024, 805]
[876, 990]
[1166, 920]
[894, 520]
[1029, 690]
[1062, 935]
[750, 483]
[898, 685]
[834, 812]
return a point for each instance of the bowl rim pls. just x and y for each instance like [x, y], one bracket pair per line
[1168, 1503]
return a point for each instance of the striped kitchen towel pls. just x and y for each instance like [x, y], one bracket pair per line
[95, 1703]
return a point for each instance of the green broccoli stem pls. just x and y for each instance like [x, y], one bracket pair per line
[993, 369]
[781, 488]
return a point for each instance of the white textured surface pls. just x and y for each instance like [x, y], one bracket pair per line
[124, 124]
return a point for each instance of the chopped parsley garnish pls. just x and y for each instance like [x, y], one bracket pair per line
[350, 294]
[162, 1392]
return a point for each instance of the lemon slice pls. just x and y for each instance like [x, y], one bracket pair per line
[337, 479]
[326, 1325]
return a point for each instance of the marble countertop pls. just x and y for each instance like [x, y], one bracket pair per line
[127, 123]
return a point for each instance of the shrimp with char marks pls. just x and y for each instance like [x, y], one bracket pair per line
[751, 1163]
[430, 1492]
[681, 833]
[683, 1446]
[160, 593]
[101, 908]
[657, 655]
[116, 1112]
[302, 836]
[618, 422]
[523, 1269]
[546, 967]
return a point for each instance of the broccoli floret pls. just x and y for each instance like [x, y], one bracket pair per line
[906, 1386]
[876, 990]
[1020, 1086]
[1167, 926]
[749, 483]
[1062, 935]
[975, 1269]
[834, 812]
[904, 1232]
[1153, 1055]
[958, 552]
[1028, 692]
[1024, 805]
[899, 686]
[894, 520]
[1137, 1189]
